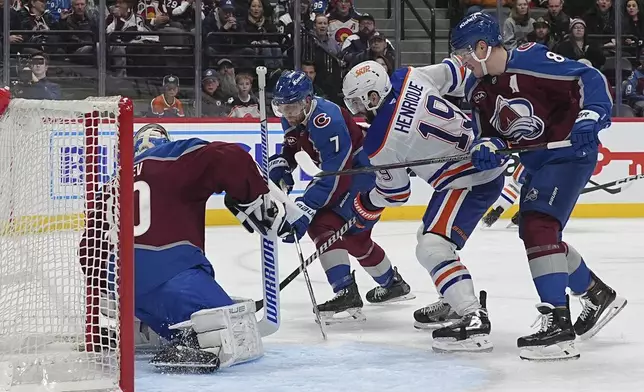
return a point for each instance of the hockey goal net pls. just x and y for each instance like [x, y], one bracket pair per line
[66, 305]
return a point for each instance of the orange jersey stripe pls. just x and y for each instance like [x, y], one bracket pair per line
[451, 173]
[448, 273]
[440, 227]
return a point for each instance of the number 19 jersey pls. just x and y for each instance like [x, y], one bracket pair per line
[416, 122]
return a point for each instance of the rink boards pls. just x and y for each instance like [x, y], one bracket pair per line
[622, 155]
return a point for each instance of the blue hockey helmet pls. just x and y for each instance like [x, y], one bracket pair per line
[290, 93]
[479, 26]
[150, 135]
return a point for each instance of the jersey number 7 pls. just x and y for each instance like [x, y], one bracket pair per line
[440, 108]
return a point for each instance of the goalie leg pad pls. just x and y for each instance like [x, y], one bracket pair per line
[452, 279]
[231, 332]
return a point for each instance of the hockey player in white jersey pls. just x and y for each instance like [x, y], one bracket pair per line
[410, 120]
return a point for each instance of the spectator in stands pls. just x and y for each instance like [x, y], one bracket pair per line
[244, 104]
[541, 33]
[33, 82]
[286, 26]
[14, 24]
[634, 23]
[122, 19]
[59, 8]
[559, 21]
[633, 88]
[80, 20]
[217, 25]
[322, 37]
[517, 27]
[576, 46]
[343, 20]
[159, 17]
[34, 16]
[167, 104]
[308, 67]
[378, 46]
[601, 20]
[265, 46]
[227, 82]
[213, 102]
[359, 42]
[385, 62]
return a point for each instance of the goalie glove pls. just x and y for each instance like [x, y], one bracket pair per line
[262, 214]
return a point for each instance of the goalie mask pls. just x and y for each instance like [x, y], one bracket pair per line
[150, 135]
[360, 84]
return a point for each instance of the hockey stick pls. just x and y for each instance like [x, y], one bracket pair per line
[613, 183]
[430, 161]
[607, 190]
[307, 280]
[270, 323]
[335, 237]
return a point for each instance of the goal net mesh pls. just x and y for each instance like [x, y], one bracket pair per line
[59, 318]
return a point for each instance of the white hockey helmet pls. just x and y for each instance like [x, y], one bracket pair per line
[360, 82]
[150, 135]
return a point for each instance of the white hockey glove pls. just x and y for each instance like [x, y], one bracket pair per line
[262, 214]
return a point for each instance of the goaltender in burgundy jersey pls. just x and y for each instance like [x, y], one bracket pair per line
[533, 101]
[172, 183]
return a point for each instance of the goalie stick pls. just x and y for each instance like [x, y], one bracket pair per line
[454, 158]
[335, 237]
[270, 323]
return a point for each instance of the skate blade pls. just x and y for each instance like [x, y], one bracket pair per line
[433, 326]
[563, 351]
[407, 297]
[611, 311]
[353, 315]
[473, 344]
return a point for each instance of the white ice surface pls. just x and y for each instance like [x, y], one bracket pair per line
[387, 354]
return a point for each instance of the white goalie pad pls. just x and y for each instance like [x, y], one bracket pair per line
[230, 332]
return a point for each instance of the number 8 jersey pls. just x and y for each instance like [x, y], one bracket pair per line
[415, 122]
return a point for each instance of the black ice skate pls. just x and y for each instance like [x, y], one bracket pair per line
[492, 216]
[555, 339]
[436, 315]
[515, 220]
[471, 333]
[398, 291]
[184, 355]
[345, 306]
[599, 305]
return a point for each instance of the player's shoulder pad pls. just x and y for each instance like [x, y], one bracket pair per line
[531, 56]
[326, 114]
[172, 150]
[398, 79]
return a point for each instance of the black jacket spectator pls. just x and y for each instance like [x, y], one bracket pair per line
[541, 33]
[34, 16]
[220, 21]
[601, 20]
[558, 20]
[633, 22]
[378, 46]
[80, 20]
[14, 24]
[577, 46]
[359, 42]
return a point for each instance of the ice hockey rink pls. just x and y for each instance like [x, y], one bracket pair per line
[386, 353]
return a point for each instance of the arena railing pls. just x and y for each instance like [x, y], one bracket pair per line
[396, 8]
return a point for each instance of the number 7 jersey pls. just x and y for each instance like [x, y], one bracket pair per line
[415, 122]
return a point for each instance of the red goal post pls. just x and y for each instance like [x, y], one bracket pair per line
[66, 305]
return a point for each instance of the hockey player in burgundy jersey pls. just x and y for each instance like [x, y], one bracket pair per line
[173, 278]
[334, 141]
[519, 98]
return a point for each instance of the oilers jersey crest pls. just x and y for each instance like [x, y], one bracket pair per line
[416, 122]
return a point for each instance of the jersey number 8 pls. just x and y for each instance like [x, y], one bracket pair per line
[555, 57]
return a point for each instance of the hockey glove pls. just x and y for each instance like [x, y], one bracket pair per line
[585, 133]
[484, 156]
[261, 214]
[279, 172]
[367, 215]
[299, 221]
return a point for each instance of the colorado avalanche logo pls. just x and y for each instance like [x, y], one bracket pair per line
[515, 119]
[342, 34]
[321, 120]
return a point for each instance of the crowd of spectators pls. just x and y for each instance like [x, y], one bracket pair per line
[54, 46]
